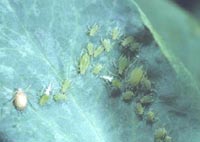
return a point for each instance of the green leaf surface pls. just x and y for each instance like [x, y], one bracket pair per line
[41, 42]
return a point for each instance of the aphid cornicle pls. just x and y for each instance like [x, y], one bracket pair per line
[20, 100]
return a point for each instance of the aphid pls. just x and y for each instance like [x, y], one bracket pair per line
[134, 46]
[127, 41]
[98, 51]
[139, 110]
[92, 31]
[136, 76]
[90, 48]
[106, 44]
[46, 96]
[20, 100]
[115, 34]
[168, 139]
[65, 86]
[146, 100]
[122, 64]
[97, 69]
[127, 96]
[160, 135]
[150, 117]
[60, 97]
[116, 83]
[84, 63]
[146, 83]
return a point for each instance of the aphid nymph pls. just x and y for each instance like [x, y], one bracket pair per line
[93, 30]
[46, 96]
[106, 44]
[115, 34]
[97, 69]
[90, 48]
[136, 76]
[98, 51]
[20, 100]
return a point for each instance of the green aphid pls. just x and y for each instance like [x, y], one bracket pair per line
[116, 83]
[44, 99]
[92, 31]
[134, 46]
[136, 76]
[150, 117]
[84, 63]
[122, 64]
[146, 83]
[97, 69]
[106, 44]
[98, 51]
[46, 96]
[139, 110]
[160, 135]
[90, 49]
[115, 34]
[60, 97]
[146, 100]
[128, 96]
[65, 86]
[168, 139]
[127, 41]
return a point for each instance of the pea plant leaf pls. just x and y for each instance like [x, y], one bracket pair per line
[41, 43]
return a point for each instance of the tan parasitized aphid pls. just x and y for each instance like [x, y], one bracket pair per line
[20, 100]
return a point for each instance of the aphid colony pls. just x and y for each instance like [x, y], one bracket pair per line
[61, 95]
[93, 51]
[132, 84]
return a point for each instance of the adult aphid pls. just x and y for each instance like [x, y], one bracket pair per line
[46, 96]
[93, 30]
[122, 64]
[84, 63]
[20, 100]
[136, 76]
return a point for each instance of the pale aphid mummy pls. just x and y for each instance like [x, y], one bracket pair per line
[20, 100]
